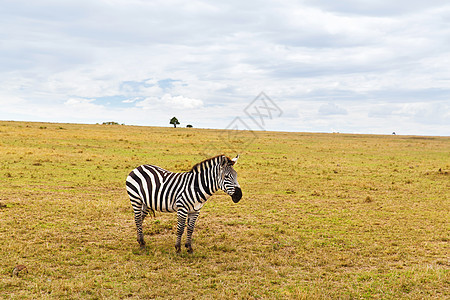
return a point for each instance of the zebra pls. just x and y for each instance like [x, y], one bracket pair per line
[152, 188]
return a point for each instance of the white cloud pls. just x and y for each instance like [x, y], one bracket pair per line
[432, 113]
[331, 109]
[130, 100]
[181, 101]
[84, 104]
[169, 101]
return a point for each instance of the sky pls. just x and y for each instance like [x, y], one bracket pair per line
[367, 66]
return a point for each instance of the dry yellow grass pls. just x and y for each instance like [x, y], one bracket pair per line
[322, 216]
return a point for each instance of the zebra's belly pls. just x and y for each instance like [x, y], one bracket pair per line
[161, 206]
[195, 208]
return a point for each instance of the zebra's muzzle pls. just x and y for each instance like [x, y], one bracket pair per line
[237, 195]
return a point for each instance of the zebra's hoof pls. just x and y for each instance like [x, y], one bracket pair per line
[178, 248]
[141, 242]
[189, 248]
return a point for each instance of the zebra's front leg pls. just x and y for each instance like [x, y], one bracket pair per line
[182, 214]
[192, 217]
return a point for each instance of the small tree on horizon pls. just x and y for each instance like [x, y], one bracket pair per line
[175, 122]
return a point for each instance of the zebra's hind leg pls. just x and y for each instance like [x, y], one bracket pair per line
[181, 214]
[138, 209]
[192, 217]
[140, 234]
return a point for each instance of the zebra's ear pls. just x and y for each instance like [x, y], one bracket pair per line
[234, 160]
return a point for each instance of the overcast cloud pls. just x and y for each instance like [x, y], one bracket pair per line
[368, 66]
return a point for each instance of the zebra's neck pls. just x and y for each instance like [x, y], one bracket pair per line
[206, 181]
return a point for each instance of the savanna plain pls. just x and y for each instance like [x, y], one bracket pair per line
[323, 216]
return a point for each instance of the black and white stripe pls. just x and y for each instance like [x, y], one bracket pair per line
[152, 188]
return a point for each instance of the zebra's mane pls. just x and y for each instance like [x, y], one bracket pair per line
[197, 167]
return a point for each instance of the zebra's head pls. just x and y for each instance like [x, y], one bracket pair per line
[228, 179]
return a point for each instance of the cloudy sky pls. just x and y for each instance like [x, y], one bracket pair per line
[367, 66]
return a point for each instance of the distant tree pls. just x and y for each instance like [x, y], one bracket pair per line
[110, 123]
[175, 122]
[189, 126]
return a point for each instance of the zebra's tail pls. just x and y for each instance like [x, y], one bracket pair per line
[153, 212]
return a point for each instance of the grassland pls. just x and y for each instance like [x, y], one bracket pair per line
[323, 216]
